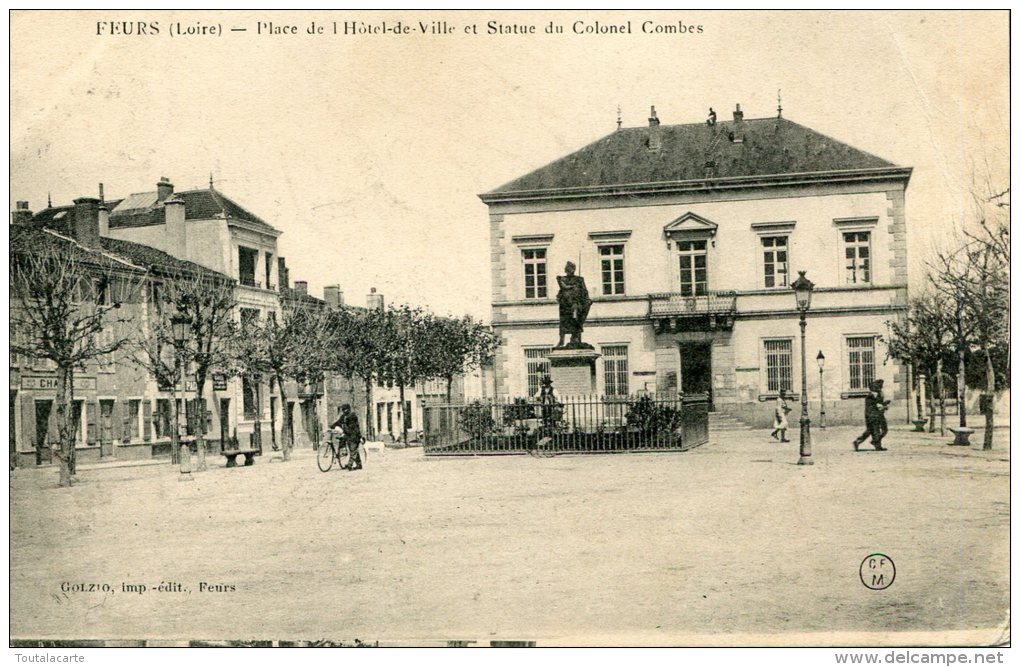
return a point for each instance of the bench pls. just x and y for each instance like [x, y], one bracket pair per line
[232, 454]
[962, 434]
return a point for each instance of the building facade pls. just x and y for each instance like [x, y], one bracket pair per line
[689, 237]
[122, 412]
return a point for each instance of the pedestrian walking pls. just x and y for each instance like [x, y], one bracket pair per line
[348, 422]
[780, 423]
[875, 424]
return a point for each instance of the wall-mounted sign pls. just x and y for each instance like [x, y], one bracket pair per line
[50, 383]
[189, 385]
[219, 381]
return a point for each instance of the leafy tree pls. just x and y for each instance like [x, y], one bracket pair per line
[925, 339]
[295, 347]
[456, 346]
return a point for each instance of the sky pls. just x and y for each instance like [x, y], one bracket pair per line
[368, 151]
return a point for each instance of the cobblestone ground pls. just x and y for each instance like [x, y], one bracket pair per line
[729, 543]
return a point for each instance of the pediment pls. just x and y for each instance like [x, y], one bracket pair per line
[690, 224]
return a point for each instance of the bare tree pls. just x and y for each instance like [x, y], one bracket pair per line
[207, 301]
[66, 307]
[976, 278]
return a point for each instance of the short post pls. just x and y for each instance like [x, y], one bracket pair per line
[921, 421]
[821, 388]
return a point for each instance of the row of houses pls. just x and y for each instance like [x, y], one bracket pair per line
[123, 411]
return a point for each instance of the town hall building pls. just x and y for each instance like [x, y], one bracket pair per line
[689, 237]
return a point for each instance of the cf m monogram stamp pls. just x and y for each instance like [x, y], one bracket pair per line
[878, 572]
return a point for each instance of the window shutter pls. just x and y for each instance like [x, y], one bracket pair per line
[146, 420]
[125, 420]
[91, 411]
[27, 421]
[117, 427]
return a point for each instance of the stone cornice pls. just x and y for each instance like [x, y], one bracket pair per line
[701, 185]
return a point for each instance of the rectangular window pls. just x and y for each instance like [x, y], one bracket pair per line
[249, 316]
[614, 363]
[778, 365]
[247, 258]
[534, 273]
[612, 269]
[861, 361]
[693, 267]
[537, 367]
[857, 247]
[777, 264]
[269, 270]
[134, 419]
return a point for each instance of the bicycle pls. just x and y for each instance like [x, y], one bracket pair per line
[335, 449]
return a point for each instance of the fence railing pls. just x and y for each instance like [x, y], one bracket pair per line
[580, 424]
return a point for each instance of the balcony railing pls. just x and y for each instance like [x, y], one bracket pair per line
[249, 281]
[671, 310]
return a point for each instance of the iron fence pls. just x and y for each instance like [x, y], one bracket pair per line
[580, 424]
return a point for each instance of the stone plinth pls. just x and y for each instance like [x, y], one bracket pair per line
[573, 370]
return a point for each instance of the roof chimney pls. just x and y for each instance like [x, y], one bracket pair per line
[104, 219]
[654, 134]
[173, 213]
[333, 295]
[282, 273]
[738, 115]
[21, 212]
[86, 221]
[653, 120]
[375, 300]
[301, 287]
[164, 188]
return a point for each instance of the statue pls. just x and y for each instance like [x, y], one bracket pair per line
[574, 306]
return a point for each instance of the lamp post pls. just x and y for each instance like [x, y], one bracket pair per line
[181, 328]
[802, 290]
[821, 388]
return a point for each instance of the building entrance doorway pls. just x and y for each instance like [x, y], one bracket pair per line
[42, 427]
[696, 369]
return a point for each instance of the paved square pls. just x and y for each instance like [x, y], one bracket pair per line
[727, 541]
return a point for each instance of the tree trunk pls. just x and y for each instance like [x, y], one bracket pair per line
[285, 433]
[403, 415]
[989, 399]
[65, 417]
[961, 377]
[257, 435]
[942, 400]
[200, 426]
[175, 424]
[369, 426]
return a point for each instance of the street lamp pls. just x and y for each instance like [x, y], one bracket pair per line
[821, 388]
[802, 290]
[181, 329]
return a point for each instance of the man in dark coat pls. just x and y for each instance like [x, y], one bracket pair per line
[348, 421]
[876, 425]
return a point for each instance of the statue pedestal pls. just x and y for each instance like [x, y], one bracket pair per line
[573, 370]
